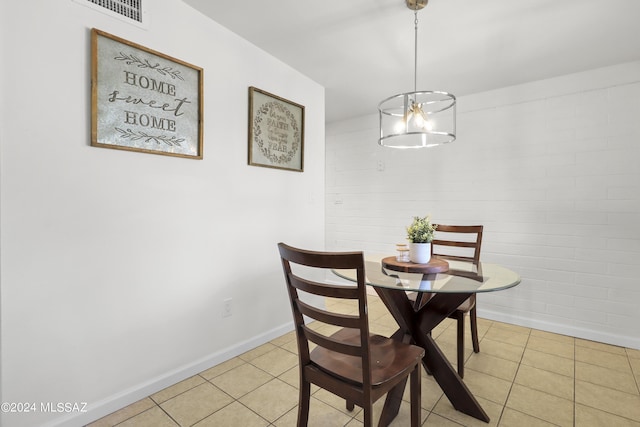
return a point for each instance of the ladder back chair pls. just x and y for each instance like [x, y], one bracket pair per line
[460, 243]
[348, 361]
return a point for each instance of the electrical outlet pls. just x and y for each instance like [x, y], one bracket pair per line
[226, 308]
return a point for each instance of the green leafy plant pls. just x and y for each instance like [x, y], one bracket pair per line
[421, 230]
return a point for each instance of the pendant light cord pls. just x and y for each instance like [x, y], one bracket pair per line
[415, 54]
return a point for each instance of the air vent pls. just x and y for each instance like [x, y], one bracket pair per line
[131, 9]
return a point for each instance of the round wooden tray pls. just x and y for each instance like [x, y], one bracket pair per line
[435, 265]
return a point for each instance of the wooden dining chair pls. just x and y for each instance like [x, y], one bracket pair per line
[461, 243]
[350, 363]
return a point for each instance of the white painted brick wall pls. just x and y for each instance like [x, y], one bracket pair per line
[552, 170]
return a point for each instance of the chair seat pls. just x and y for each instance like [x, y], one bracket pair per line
[389, 358]
[467, 305]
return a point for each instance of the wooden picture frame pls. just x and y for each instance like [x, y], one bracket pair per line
[143, 100]
[276, 131]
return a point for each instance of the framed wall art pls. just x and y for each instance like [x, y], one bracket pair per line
[276, 131]
[143, 100]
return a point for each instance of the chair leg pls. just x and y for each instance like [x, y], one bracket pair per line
[460, 320]
[350, 406]
[416, 398]
[368, 414]
[303, 405]
[474, 330]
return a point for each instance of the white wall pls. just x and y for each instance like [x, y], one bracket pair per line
[115, 264]
[551, 168]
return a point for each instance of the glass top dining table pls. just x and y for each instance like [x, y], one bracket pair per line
[461, 277]
[449, 285]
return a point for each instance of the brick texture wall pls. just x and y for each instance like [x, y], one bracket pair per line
[552, 170]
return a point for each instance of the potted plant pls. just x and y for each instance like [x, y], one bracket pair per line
[420, 235]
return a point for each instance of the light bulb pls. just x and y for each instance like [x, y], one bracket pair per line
[428, 124]
[418, 120]
[419, 117]
[400, 126]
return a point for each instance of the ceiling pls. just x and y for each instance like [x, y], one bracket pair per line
[362, 51]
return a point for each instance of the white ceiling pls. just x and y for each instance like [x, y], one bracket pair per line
[361, 51]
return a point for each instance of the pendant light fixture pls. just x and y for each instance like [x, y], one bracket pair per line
[417, 119]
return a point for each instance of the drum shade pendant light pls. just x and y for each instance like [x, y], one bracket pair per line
[417, 119]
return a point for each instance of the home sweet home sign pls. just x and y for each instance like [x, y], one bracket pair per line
[143, 100]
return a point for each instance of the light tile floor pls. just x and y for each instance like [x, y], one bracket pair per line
[521, 377]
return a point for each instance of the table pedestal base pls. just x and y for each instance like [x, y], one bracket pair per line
[416, 327]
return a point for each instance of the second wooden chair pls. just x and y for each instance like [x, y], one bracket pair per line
[461, 243]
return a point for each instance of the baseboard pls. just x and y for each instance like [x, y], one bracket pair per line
[97, 410]
[573, 331]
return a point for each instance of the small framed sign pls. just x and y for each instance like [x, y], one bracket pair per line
[276, 131]
[143, 100]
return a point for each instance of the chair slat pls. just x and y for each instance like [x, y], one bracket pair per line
[336, 319]
[332, 344]
[454, 243]
[324, 289]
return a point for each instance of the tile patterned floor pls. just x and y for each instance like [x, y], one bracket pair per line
[521, 377]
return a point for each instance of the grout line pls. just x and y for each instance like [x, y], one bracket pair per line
[514, 378]
[169, 415]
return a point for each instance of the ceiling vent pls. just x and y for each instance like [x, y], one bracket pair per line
[131, 9]
[127, 10]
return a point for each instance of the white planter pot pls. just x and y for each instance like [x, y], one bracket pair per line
[419, 253]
